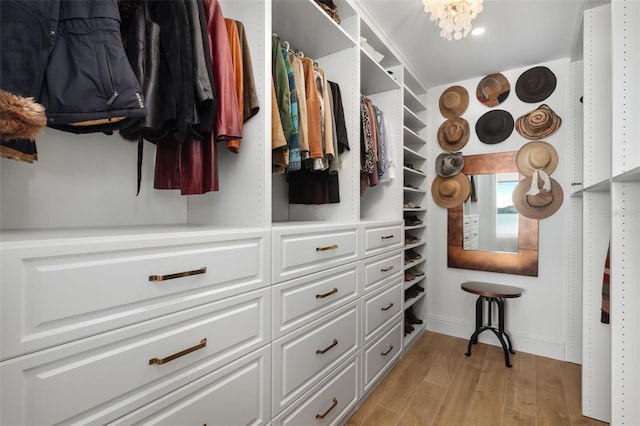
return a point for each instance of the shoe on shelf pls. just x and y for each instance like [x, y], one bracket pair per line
[415, 272]
[412, 221]
[411, 254]
[409, 277]
[410, 239]
[410, 316]
[420, 289]
[411, 205]
[410, 293]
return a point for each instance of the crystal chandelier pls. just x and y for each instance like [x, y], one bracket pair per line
[453, 17]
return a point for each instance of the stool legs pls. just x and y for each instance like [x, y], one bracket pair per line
[500, 333]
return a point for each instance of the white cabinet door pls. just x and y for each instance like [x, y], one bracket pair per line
[305, 356]
[59, 290]
[236, 394]
[109, 375]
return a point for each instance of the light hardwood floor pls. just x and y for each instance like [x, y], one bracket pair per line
[436, 384]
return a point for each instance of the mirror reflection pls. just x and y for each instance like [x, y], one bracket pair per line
[490, 222]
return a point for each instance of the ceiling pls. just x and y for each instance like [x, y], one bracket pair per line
[518, 33]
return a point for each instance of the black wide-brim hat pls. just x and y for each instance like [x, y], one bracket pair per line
[535, 84]
[494, 126]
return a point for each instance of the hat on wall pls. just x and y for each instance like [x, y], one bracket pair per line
[537, 155]
[449, 164]
[493, 89]
[538, 123]
[450, 191]
[453, 134]
[535, 84]
[537, 200]
[454, 102]
[494, 126]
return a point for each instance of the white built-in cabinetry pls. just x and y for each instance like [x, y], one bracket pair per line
[611, 202]
[233, 307]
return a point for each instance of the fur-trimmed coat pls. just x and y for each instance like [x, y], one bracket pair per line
[65, 59]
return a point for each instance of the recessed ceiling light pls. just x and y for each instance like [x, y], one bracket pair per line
[477, 31]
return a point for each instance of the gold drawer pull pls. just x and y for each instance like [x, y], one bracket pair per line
[387, 352]
[159, 361]
[322, 296]
[386, 237]
[333, 247]
[177, 275]
[322, 416]
[386, 269]
[322, 351]
[388, 307]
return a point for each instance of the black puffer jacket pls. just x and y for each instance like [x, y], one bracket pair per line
[68, 55]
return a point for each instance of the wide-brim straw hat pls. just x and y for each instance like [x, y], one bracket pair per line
[493, 89]
[449, 164]
[494, 126]
[453, 102]
[535, 84]
[453, 134]
[539, 123]
[450, 191]
[537, 155]
[538, 206]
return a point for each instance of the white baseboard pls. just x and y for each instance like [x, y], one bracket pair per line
[536, 345]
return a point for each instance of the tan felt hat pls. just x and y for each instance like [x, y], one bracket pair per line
[453, 134]
[537, 155]
[454, 102]
[450, 191]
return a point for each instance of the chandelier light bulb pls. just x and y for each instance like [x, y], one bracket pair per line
[453, 16]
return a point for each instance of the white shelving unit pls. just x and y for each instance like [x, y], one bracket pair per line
[611, 201]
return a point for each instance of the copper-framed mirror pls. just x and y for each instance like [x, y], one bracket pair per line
[524, 260]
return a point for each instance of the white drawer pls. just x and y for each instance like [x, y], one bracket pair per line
[58, 291]
[381, 268]
[109, 375]
[379, 238]
[328, 404]
[379, 355]
[298, 302]
[303, 250]
[305, 356]
[232, 395]
[382, 306]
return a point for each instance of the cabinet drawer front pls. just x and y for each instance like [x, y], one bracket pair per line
[381, 268]
[381, 238]
[381, 353]
[381, 306]
[330, 403]
[219, 398]
[132, 366]
[300, 301]
[305, 356]
[297, 253]
[66, 292]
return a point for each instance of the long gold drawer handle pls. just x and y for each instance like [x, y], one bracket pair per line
[322, 351]
[387, 352]
[322, 416]
[386, 237]
[177, 275]
[333, 247]
[386, 269]
[388, 307]
[160, 361]
[322, 296]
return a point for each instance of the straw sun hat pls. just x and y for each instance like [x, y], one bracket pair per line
[537, 155]
[450, 191]
[535, 84]
[493, 89]
[539, 123]
[453, 102]
[453, 134]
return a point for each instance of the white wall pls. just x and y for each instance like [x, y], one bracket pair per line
[537, 321]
